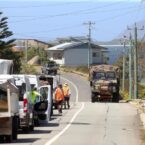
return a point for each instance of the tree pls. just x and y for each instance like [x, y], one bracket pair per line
[6, 44]
[5, 33]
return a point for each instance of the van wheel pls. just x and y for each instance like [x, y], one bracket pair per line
[36, 122]
[32, 126]
[26, 129]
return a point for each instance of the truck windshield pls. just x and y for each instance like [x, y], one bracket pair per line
[110, 75]
[99, 75]
[3, 101]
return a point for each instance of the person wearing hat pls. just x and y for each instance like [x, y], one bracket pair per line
[67, 93]
[59, 97]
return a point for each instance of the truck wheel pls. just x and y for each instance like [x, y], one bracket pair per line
[8, 138]
[1, 139]
[115, 97]
[15, 128]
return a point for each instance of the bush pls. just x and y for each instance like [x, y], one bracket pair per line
[28, 69]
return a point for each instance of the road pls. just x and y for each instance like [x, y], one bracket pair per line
[87, 123]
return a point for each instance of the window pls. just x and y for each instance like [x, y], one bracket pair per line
[99, 75]
[110, 75]
[94, 54]
[57, 55]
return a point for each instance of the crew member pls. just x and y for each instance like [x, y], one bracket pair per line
[59, 97]
[67, 94]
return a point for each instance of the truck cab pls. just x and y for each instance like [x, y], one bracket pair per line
[104, 82]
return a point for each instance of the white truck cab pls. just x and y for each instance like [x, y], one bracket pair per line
[9, 109]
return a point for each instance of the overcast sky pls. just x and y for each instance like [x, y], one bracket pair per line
[48, 20]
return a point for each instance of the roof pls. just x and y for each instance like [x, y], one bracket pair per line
[60, 46]
[39, 41]
[67, 45]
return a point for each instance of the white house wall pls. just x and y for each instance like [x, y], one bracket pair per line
[79, 56]
[76, 57]
[99, 57]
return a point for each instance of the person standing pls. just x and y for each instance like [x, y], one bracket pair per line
[35, 96]
[67, 94]
[59, 97]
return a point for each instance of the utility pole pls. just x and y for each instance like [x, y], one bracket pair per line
[135, 61]
[26, 50]
[89, 24]
[130, 67]
[124, 60]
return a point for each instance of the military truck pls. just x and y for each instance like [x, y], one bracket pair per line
[104, 82]
[50, 68]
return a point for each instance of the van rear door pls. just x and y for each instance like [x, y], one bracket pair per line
[43, 106]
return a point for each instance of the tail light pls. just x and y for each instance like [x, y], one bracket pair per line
[25, 101]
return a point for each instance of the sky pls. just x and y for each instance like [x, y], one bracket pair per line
[47, 20]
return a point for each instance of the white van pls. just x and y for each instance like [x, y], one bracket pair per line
[34, 81]
[42, 109]
[25, 105]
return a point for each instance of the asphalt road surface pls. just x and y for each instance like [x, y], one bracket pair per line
[87, 123]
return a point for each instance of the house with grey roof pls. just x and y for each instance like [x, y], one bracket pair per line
[77, 54]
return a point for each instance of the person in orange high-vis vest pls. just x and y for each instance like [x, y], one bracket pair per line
[67, 94]
[59, 97]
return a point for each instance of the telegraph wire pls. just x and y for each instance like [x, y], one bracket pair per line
[81, 12]
[38, 6]
[57, 15]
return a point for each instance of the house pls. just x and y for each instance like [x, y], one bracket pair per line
[76, 54]
[23, 43]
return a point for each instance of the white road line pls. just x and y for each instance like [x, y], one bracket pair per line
[66, 128]
[77, 94]
[73, 118]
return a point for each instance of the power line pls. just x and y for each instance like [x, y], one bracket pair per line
[38, 6]
[115, 16]
[85, 11]
[70, 27]
[65, 14]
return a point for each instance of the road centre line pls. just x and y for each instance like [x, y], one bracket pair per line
[71, 121]
[67, 127]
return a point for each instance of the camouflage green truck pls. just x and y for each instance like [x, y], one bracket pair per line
[104, 82]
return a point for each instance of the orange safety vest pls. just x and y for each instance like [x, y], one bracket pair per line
[66, 91]
[59, 94]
